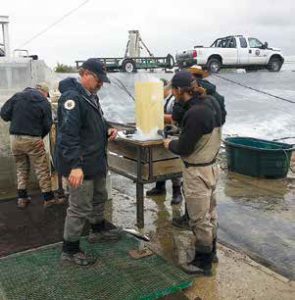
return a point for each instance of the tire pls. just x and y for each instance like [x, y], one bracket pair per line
[129, 66]
[274, 65]
[214, 65]
[170, 61]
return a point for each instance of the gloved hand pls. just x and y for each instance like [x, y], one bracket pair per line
[171, 130]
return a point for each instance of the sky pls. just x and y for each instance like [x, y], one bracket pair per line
[100, 28]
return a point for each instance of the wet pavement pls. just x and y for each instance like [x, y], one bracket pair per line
[255, 216]
[235, 277]
[29, 228]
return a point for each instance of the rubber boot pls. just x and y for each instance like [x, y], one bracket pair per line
[50, 200]
[201, 265]
[23, 199]
[176, 196]
[204, 262]
[71, 253]
[158, 190]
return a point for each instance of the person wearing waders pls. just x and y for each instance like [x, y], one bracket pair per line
[198, 146]
[204, 88]
[81, 157]
[160, 187]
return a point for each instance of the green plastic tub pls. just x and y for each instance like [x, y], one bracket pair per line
[258, 158]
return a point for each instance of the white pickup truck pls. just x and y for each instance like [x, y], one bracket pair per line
[236, 51]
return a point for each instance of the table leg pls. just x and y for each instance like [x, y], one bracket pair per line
[140, 205]
[139, 192]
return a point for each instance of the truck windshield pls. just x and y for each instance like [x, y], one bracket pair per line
[254, 43]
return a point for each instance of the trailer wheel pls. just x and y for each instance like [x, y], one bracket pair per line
[214, 65]
[274, 65]
[128, 66]
[170, 61]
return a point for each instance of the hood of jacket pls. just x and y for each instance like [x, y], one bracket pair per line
[208, 86]
[31, 94]
[67, 84]
[71, 84]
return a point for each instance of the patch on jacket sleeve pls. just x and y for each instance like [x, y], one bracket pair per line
[70, 104]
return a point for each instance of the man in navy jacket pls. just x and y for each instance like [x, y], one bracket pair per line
[81, 157]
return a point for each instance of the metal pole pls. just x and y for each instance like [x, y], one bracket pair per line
[139, 191]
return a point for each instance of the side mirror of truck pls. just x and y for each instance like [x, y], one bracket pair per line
[265, 45]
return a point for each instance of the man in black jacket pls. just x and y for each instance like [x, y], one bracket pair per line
[204, 87]
[198, 146]
[29, 113]
[81, 157]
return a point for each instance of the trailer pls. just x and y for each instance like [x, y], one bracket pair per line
[132, 64]
[132, 61]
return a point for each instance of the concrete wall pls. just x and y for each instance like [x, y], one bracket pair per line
[19, 73]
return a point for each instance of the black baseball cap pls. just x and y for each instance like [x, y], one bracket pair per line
[182, 79]
[95, 66]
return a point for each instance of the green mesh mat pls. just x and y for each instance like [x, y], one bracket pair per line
[39, 275]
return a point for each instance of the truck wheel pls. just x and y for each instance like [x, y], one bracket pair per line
[214, 65]
[129, 66]
[274, 65]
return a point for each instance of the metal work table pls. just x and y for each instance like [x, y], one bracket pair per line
[144, 162]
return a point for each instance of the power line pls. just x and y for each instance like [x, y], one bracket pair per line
[54, 23]
[253, 89]
[123, 87]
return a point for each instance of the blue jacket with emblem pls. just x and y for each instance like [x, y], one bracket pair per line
[82, 132]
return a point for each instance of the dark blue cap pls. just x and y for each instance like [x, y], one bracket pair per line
[182, 79]
[95, 66]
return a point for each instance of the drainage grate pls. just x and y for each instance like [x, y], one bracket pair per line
[38, 275]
